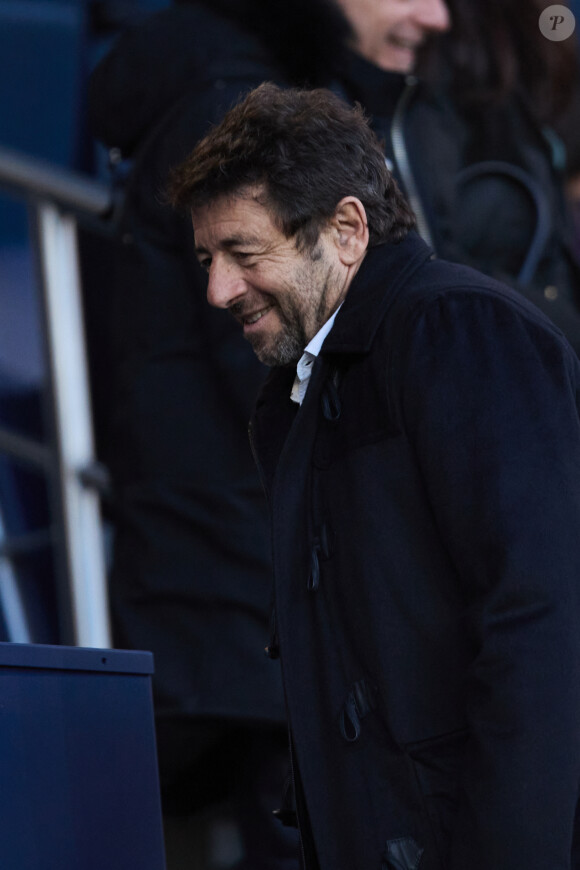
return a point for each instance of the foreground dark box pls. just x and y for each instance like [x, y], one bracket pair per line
[79, 786]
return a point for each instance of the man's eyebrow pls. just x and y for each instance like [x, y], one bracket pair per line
[232, 242]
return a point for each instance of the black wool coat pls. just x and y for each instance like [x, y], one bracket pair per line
[425, 508]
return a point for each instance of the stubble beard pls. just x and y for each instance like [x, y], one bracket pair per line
[287, 346]
[298, 323]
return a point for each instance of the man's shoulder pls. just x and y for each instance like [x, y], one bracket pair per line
[453, 313]
[399, 282]
[413, 303]
[455, 288]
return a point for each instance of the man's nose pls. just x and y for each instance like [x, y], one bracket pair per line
[225, 285]
[433, 15]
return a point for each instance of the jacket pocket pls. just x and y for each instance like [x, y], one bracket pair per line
[438, 765]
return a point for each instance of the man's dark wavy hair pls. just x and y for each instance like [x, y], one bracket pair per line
[308, 149]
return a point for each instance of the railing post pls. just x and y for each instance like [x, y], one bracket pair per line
[83, 536]
[11, 603]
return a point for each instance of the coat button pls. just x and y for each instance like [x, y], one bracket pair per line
[551, 292]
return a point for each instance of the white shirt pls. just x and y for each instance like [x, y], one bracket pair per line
[306, 361]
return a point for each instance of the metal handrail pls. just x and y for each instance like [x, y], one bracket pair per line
[24, 448]
[60, 198]
[68, 190]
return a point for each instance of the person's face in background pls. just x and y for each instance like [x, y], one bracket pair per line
[389, 33]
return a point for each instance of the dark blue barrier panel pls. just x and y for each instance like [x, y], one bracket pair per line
[79, 785]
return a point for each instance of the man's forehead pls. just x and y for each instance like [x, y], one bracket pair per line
[239, 216]
[232, 202]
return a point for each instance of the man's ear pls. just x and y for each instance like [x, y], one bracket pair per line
[350, 230]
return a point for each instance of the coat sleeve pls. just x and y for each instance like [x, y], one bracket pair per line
[489, 401]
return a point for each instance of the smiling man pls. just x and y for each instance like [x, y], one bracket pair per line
[256, 272]
[280, 263]
[424, 488]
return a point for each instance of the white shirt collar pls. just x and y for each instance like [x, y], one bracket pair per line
[306, 361]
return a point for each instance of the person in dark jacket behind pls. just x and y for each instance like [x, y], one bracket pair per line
[465, 138]
[419, 441]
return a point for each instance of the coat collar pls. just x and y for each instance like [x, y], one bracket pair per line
[384, 271]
